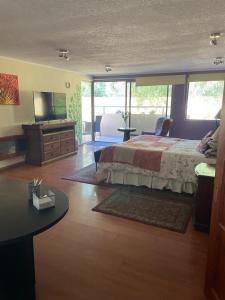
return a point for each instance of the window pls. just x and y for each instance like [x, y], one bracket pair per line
[148, 103]
[154, 100]
[109, 97]
[204, 99]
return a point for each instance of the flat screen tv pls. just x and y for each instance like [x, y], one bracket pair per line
[49, 106]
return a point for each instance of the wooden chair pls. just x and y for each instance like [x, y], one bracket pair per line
[162, 127]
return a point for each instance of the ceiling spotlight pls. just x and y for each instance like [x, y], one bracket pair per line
[214, 38]
[64, 53]
[218, 60]
[108, 68]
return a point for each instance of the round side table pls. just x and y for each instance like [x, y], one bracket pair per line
[20, 221]
[126, 131]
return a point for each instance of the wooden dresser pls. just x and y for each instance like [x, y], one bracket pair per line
[49, 141]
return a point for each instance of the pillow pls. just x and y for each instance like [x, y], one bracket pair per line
[211, 152]
[213, 144]
[203, 145]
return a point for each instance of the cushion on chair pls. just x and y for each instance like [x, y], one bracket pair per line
[162, 127]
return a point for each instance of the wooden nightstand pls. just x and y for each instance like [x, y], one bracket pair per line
[204, 196]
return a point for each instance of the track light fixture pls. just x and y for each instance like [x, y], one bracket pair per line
[64, 53]
[218, 60]
[214, 38]
[108, 68]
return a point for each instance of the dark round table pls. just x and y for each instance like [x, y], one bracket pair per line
[126, 131]
[19, 222]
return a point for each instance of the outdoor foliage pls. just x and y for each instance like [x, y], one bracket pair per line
[207, 88]
[204, 99]
[109, 89]
[154, 95]
[117, 89]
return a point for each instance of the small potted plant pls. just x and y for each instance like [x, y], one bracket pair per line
[125, 116]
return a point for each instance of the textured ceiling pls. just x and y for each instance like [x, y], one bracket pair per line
[133, 36]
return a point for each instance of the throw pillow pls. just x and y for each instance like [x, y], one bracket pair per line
[203, 145]
[215, 135]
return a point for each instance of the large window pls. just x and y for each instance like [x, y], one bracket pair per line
[151, 99]
[148, 103]
[204, 99]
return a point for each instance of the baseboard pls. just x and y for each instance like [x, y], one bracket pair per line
[11, 166]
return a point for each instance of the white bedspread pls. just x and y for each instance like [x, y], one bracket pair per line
[176, 170]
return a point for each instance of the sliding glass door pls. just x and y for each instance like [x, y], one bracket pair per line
[109, 105]
[111, 99]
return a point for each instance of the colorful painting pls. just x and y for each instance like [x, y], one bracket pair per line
[9, 89]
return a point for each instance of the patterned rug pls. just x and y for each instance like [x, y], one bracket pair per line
[159, 208]
[86, 175]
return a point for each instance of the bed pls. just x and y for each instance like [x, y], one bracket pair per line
[153, 161]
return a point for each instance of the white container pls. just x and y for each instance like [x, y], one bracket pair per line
[45, 201]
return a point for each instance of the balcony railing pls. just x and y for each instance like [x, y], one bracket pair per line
[142, 118]
[150, 109]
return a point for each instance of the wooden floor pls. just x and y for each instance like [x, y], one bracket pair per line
[93, 256]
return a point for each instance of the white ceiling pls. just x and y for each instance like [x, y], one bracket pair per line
[133, 36]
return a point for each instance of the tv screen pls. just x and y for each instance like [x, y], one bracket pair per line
[49, 106]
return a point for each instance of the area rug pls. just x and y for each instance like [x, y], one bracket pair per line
[159, 208]
[100, 143]
[86, 175]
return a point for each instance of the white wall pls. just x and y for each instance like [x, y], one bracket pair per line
[31, 77]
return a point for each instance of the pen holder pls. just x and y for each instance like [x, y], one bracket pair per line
[33, 190]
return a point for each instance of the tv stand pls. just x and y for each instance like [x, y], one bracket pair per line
[47, 142]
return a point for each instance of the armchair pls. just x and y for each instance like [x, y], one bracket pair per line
[162, 127]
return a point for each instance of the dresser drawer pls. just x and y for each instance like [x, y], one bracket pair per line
[51, 146]
[51, 154]
[67, 146]
[48, 138]
[67, 134]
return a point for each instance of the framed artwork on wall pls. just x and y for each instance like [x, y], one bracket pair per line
[9, 89]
